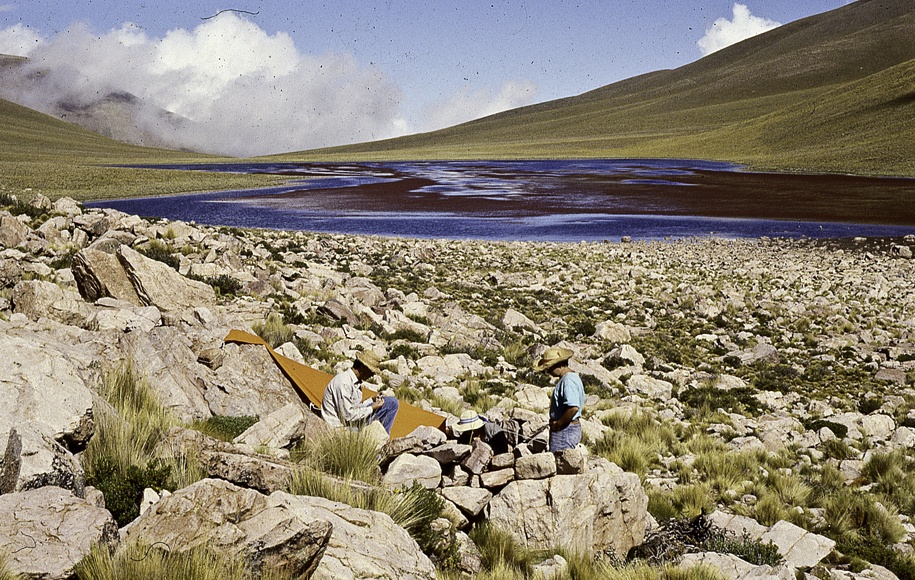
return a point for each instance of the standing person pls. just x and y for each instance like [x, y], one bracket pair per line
[567, 401]
[342, 404]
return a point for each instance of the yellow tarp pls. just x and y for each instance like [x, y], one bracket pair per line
[310, 384]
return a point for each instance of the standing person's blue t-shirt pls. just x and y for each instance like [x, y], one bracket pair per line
[569, 392]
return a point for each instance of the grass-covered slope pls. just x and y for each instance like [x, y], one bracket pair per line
[55, 158]
[832, 92]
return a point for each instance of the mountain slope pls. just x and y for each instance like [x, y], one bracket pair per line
[824, 93]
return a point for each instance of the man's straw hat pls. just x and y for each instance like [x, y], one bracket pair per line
[552, 357]
[370, 360]
[470, 420]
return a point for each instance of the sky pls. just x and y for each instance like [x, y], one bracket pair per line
[254, 77]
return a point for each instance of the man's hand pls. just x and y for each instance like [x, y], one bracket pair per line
[377, 403]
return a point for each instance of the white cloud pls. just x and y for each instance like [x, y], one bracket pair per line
[723, 32]
[468, 105]
[240, 90]
[18, 40]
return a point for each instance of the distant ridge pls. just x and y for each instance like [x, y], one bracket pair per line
[832, 92]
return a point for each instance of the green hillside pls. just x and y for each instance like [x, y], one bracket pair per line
[46, 155]
[833, 92]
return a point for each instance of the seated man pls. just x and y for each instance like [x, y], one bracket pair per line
[342, 404]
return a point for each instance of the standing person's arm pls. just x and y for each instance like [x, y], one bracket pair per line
[563, 421]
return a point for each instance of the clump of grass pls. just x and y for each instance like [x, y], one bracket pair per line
[683, 501]
[224, 284]
[501, 552]
[745, 548]
[643, 571]
[342, 453]
[122, 458]
[5, 572]
[636, 442]
[135, 561]
[274, 330]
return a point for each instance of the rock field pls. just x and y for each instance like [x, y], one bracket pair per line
[767, 384]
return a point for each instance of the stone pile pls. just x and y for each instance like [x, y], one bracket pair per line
[456, 323]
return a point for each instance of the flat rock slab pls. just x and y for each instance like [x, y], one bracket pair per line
[799, 547]
[47, 531]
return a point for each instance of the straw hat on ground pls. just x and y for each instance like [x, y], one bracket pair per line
[469, 421]
[552, 357]
[370, 360]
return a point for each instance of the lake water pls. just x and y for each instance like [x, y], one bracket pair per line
[557, 200]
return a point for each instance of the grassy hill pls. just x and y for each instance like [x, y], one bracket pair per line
[833, 92]
[46, 155]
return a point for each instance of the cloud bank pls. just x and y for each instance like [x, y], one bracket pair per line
[723, 32]
[226, 86]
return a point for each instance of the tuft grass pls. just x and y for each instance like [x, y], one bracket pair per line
[351, 455]
[501, 552]
[274, 330]
[225, 428]
[139, 562]
[5, 572]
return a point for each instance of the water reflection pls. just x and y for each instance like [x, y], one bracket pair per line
[558, 200]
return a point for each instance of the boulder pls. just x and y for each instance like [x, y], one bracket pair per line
[282, 427]
[650, 387]
[164, 357]
[265, 533]
[512, 320]
[225, 461]
[598, 510]
[47, 531]
[33, 459]
[160, 285]
[536, 466]
[39, 299]
[471, 500]
[408, 468]
[479, 457]
[800, 548]
[39, 384]
[364, 544]
[248, 382]
[12, 231]
[450, 452]
[99, 274]
[612, 332]
[734, 568]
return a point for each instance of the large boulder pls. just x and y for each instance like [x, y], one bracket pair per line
[604, 508]
[364, 544]
[47, 531]
[37, 299]
[170, 367]
[249, 382]
[40, 385]
[159, 285]
[225, 518]
[32, 460]
[99, 274]
[12, 231]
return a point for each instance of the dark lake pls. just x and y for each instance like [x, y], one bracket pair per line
[555, 200]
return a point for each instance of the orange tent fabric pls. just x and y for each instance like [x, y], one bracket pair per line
[310, 383]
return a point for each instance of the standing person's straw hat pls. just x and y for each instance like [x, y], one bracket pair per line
[370, 360]
[552, 357]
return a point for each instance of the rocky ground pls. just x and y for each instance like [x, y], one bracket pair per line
[766, 384]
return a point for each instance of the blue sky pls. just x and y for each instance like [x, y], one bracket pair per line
[355, 70]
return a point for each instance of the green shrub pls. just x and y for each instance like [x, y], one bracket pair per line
[838, 429]
[224, 284]
[405, 350]
[226, 428]
[876, 551]
[160, 252]
[745, 548]
[123, 488]
[868, 405]
[407, 335]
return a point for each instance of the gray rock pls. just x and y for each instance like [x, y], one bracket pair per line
[164, 358]
[39, 299]
[451, 452]
[280, 428]
[471, 500]
[536, 466]
[364, 544]
[512, 319]
[249, 382]
[612, 332]
[650, 387]
[479, 457]
[268, 534]
[593, 511]
[572, 461]
[800, 548]
[99, 274]
[39, 384]
[497, 478]
[33, 460]
[160, 285]
[408, 468]
[732, 567]
[47, 531]
[13, 232]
